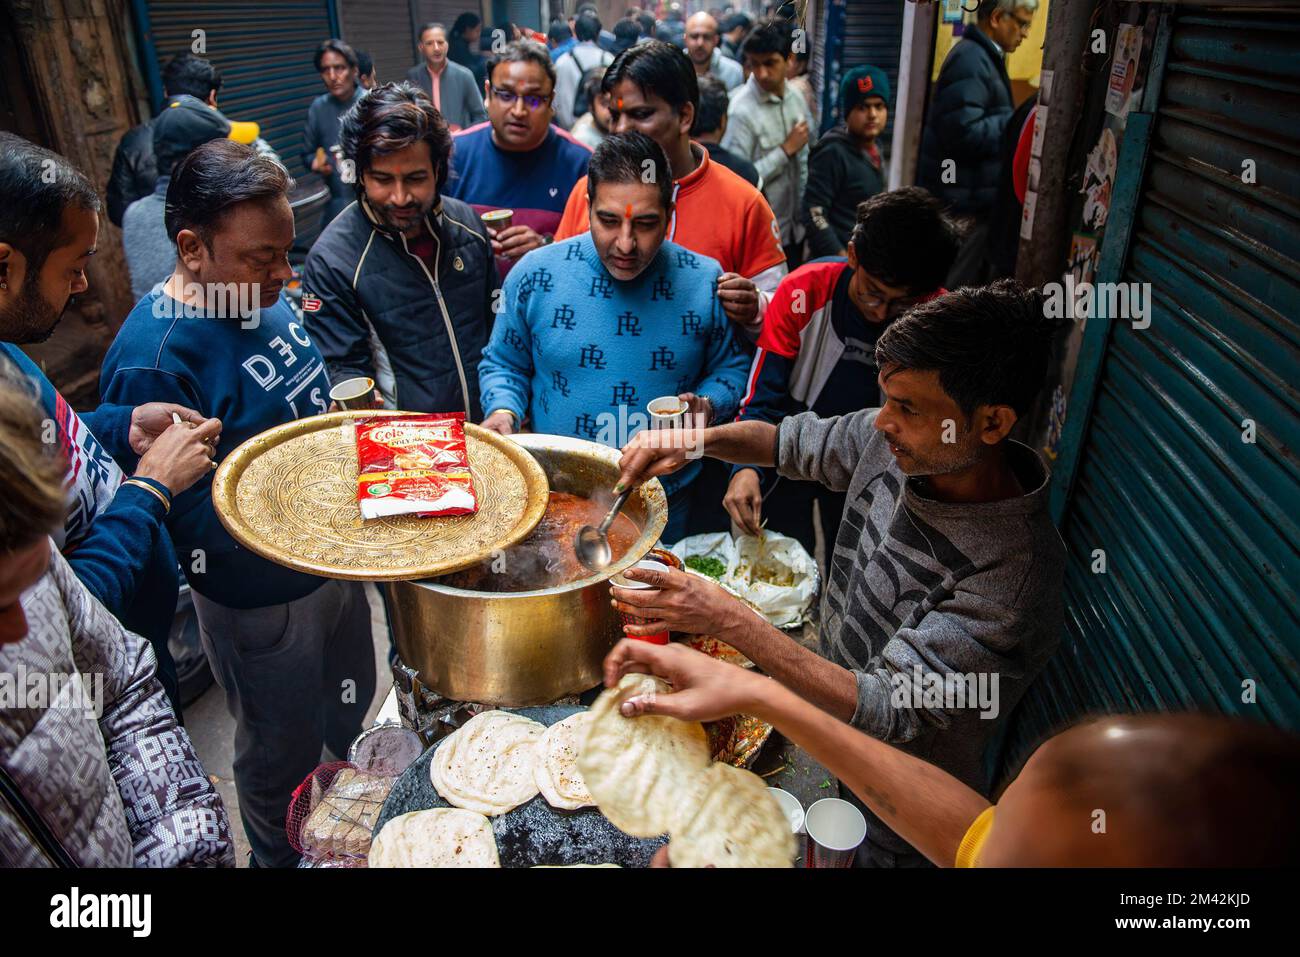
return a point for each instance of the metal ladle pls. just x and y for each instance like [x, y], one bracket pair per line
[592, 544]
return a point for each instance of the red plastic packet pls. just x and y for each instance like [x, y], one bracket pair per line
[414, 465]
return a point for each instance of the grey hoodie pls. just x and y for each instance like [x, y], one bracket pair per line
[949, 588]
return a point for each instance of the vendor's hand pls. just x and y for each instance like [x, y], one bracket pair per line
[744, 500]
[181, 455]
[321, 165]
[515, 241]
[677, 601]
[152, 419]
[503, 423]
[704, 688]
[699, 409]
[739, 298]
[656, 452]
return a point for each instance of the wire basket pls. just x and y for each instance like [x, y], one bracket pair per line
[333, 812]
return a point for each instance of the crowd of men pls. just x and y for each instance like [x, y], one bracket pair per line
[665, 183]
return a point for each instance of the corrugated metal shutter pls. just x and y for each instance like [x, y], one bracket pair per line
[1199, 528]
[383, 29]
[443, 11]
[873, 32]
[264, 52]
[527, 13]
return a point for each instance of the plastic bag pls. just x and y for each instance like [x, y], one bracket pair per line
[779, 578]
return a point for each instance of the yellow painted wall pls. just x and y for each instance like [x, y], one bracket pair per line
[1024, 64]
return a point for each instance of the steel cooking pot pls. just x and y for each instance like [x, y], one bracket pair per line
[517, 649]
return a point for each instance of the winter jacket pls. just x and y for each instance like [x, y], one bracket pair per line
[374, 309]
[98, 774]
[840, 176]
[968, 113]
[757, 124]
[460, 99]
[135, 170]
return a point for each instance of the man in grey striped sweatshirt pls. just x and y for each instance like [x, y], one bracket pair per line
[944, 593]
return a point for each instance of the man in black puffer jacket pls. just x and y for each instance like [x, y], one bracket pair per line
[970, 108]
[400, 287]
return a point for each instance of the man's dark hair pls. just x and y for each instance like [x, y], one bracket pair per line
[523, 51]
[390, 118]
[365, 63]
[657, 68]
[558, 32]
[768, 36]
[904, 238]
[627, 33]
[591, 84]
[37, 186]
[734, 22]
[334, 46]
[713, 106]
[646, 22]
[431, 25]
[186, 73]
[212, 179]
[466, 21]
[990, 344]
[586, 26]
[621, 158]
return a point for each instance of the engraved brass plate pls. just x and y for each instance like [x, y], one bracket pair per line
[290, 496]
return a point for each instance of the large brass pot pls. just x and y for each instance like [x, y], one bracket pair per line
[517, 649]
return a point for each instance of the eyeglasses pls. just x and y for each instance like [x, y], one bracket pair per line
[507, 98]
[1025, 25]
[895, 306]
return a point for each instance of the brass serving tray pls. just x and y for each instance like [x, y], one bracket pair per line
[290, 496]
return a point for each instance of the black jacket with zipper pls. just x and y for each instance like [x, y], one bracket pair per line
[840, 176]
[375, 309]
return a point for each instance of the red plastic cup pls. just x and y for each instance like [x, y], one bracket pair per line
[659, 637]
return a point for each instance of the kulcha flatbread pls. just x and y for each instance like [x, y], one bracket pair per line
[442, 837]
[636, 768]
[488, 764]
[727, 818]
[556, 772]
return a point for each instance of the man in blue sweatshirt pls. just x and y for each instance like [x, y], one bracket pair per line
[216, 335]
[113, 535]
[598, 325]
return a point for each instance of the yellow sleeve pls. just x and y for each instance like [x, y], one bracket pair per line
[968, 851]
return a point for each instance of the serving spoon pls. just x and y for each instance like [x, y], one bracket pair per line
[592, 543]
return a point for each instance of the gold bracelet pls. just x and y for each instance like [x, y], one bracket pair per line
[140, 483]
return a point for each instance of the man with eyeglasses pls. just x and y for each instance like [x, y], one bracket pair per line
[517, 160]
[817, 349]
[336, 62]
[971, 105]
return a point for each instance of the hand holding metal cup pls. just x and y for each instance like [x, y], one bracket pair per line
[357, 393]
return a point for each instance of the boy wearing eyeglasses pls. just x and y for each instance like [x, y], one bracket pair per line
[517, 160]
[817, 349]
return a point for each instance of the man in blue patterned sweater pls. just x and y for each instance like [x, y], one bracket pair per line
[596, 326]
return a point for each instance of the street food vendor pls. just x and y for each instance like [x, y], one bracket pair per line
[1224, 797]
[946, 573]
[596, 326]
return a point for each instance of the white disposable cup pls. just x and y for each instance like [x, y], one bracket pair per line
[835, 829]
[647, 563]
[667, 412]
[791, 808]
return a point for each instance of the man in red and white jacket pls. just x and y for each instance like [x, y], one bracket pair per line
[817, 348]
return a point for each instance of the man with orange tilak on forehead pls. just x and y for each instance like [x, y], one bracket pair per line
[597, 326]
[652, 88]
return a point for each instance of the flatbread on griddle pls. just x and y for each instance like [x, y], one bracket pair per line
[442, 837]
[488, 764]
[556, 772]
[635, 768]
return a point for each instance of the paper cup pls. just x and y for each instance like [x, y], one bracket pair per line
[498, 219]
[658, 638]
[358, 393]
[791, 808]
[667, 412]
[835, 829]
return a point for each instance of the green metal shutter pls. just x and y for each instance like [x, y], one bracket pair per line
[1199, 527]
[383, 29]
[264, 52]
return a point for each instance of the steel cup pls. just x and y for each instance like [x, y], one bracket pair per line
[835, 829]
[356, 393]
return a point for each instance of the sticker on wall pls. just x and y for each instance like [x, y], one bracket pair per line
[1082, 264]
[1027, 216]
[1123, 69]
[1040, 130]
[1045, 87]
